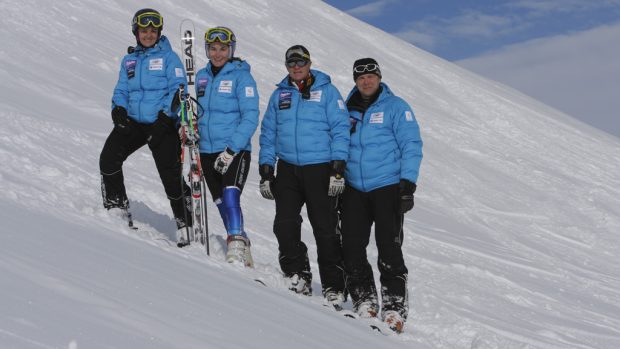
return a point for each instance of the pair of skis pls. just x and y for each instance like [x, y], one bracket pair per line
[199, 231]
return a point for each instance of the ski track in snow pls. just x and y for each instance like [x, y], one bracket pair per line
[512, 243]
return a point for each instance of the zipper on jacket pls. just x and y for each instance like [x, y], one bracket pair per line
[299, 100]
[362, 150]
[209, 113]
[141, 89]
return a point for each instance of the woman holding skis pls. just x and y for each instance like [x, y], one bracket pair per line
[144, 111]
[226, 92]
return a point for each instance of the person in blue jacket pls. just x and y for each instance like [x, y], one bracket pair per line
[228, 99]
[382, 171]
[144, 111]
[306, 130]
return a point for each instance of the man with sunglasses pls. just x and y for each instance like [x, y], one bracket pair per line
[382, 170]
[144, 111]
[305, 130]
[228, 96]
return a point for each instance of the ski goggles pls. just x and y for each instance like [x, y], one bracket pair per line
[366, 68]
[220, 34]
[149, 19]
[300, 63]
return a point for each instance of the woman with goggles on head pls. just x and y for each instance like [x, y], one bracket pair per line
[227, 93]
[144, 112]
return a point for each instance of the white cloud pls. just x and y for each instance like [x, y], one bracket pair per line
[469, 25]
[373, 9]
[475, 23]
[544, 7]
[578, 73]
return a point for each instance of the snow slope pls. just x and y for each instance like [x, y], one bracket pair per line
[512, 244]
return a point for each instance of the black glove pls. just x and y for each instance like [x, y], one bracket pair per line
[336, 178]
[266, 181]
[159, 128]
[338, 167]
[406, 190]
[121, 120]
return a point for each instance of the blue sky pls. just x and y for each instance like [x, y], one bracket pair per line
[573, 45]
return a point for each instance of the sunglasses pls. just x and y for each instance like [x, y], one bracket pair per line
[299, 63]
[149, 19]
[370, 67]
[219, 34]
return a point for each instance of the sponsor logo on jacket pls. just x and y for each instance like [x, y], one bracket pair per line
[284, 100]
[202, 86]
[130, 67]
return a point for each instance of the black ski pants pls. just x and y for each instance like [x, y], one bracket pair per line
[295, 186]
[358, 213]
[235, 176]
[166, 154]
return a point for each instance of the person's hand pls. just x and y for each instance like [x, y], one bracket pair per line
[121, 120]
[267, 180]
[405, 193]
[224, 160]
[336, 179]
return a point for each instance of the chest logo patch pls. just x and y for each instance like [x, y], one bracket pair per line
[376, 118]
[225, 86]
[156, 64]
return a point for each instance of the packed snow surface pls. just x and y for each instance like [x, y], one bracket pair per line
[513, 242]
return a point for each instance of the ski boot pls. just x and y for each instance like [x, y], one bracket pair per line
[119, 207]
[334, 299]
[122, 213]
[239, 250]
[366, 309]
[300, 283]
[181, 236]
[394, 321]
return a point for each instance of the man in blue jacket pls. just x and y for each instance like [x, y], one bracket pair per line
[382, 171]
[306, 130]
[144, 111]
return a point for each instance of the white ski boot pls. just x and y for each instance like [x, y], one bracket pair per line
[393, 319]
[334, 299]
[122, 213]
[181, 235]
[239, 251]
[367, 309]
[299, 284]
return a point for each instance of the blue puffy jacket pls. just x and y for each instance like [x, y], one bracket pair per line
[305, 131]
[148, 81]
[385, 143]
[229, 102]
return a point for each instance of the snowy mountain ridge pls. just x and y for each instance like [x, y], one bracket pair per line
[512, 244]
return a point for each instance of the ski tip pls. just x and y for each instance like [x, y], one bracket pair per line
[261, 282]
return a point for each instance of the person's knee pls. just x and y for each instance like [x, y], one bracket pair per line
[108, 163]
